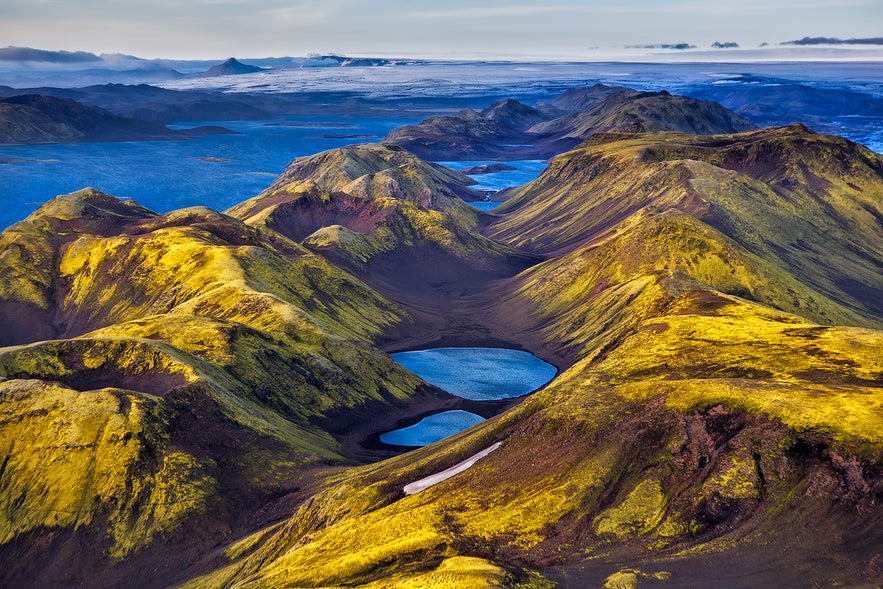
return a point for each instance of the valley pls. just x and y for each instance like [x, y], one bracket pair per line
[193, 398]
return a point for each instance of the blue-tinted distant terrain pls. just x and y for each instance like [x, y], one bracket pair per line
[362, 103]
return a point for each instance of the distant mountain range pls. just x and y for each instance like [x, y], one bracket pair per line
[511, 130]
[34, 119]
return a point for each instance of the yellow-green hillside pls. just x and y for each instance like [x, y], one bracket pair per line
[239, 353]
[807, 203]
[182, 410]
[715, 418]
[387, 199]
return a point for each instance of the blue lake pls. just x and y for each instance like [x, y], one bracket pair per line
[479, 374]
[525, 171]
[217, 171]
[432, 429]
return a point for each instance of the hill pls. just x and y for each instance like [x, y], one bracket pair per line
[511, 130]
[397, 222]
[34, 119]
[231, 67]
[185, 396]
[186, 369]
[697, 435]
[806, 202]
[498, 131]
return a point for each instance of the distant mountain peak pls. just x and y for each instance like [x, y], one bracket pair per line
[231, 67]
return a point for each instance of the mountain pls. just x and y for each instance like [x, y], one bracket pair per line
[806, 202]
[231, 67]
[770, 102]
[511, 130]
[173, 372]
[498, 131]
[34, 119]
[575, 100]
[644, 112]
[157, 105]
[187, 399]
[697, 434]
[397, 222]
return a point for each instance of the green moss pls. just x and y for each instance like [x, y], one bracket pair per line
[73, 459]
[161, 503]
[638, 513]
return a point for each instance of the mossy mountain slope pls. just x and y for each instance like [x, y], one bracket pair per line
[392, 219]
[712, 409]
[694, 431]
[806, 203]
[198, 366]
[701, 431]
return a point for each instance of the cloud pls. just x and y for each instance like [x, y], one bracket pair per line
[678, 46]
[492, 12]
[306, 14]
[28, 54]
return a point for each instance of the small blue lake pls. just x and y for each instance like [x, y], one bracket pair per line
[432, 429]
[477, 374]
[524, 171]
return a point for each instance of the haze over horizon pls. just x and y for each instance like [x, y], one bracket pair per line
[561, 29]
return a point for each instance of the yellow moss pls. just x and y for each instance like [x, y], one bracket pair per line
[72, 457]
[174, 494]
[640, 511]
[456, 572]
[735, 478]
[249, 543]
[623, 579]
[523, 509]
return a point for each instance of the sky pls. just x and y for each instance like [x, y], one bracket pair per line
[211, 29]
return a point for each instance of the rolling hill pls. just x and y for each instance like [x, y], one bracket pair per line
[510, 130]
[35, 119]
[185, 396]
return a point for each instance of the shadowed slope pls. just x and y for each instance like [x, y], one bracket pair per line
[495, 132]
[35, 119]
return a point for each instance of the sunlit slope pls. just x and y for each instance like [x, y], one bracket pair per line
[187, 341]
[711, 407]
[809, 204]
[704, 428]
[580, 300]
[364, 201]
